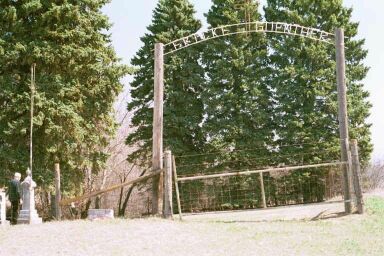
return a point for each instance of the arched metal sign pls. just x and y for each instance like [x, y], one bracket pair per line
[250, 27]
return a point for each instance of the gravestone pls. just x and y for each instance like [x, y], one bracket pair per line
[3, 207]
[100, 214]
[28, 213]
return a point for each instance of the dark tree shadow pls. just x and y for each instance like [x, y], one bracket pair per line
[332, 215]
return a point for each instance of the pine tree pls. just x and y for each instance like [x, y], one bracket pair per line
[77, 80]
[237, 110]
[183, 109]
[305, 90]
[236, 97]
[304, 79]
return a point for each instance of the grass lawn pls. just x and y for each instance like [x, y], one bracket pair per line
[348, 235]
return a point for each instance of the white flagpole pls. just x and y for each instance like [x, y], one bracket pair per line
[31, 119]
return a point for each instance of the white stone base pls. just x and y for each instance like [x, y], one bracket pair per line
[3, 207]
[4, 223]
[25, 217]
[100, 214]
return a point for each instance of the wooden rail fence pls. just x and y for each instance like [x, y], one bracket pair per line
[102, 191]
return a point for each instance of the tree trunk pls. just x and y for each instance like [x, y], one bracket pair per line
[123, 205]
[84, 213]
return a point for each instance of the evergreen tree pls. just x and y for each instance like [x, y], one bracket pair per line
[304, 80]
[237, 111]
[236, 96]
[183, 109]
[77, 80]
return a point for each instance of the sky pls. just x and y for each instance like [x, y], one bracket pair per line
[130, 19]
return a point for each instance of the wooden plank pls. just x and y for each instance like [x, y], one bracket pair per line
[168, 209]
[176, 187]
[356, 176]
[58, 192]
[343, 117]
[262, 190]
[290, 168]
[157, 137]
[95, 193]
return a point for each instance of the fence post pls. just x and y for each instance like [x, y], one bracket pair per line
[262, 190]
[58, 192]
[157, 133]
[343, 117]
[176, 187]
[168, 209]
[356, 176]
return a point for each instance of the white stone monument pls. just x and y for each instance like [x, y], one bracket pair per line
[3, 207]
[28, 213]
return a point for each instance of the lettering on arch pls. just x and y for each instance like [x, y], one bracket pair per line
[250, 27]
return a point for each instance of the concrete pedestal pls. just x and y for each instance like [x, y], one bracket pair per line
[28, 213]
[4, 223]
[3, 206]
[29, 217]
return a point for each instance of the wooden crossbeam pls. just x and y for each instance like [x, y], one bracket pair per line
[102, 191]
[290, 168]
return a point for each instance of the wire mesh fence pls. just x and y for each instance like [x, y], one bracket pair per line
[309, 185]
[244, 192]
[260, 157]
[235, 192]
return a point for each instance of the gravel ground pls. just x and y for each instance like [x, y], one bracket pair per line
[231, 233]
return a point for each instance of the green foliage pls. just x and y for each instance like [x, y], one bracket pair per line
[256, 94]
[304, 81]
[237, 101]
[258, 90]
[183, 108]
[77, 80]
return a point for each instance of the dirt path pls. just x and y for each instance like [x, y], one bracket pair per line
[325, 210]
[294, 212]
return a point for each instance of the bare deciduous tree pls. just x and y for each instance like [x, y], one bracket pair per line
[373, 176]
[118, 169]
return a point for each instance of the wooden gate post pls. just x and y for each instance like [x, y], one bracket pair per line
[58, 192]
[176, 187]
[262, 190]
[168, 209]
[157, 143]
[356, 176]
[343, 117]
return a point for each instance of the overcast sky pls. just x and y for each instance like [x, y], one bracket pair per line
[130, 19]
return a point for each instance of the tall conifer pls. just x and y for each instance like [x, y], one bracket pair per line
[304, 78]
[183, 109]
[236, 95]
[77, 80]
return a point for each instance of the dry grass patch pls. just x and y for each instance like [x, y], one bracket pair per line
[348, 235]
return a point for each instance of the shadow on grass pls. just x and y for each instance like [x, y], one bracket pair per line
[253, 221]
[279, 207]
[332, 215]
[291, 213]
[320, 216]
